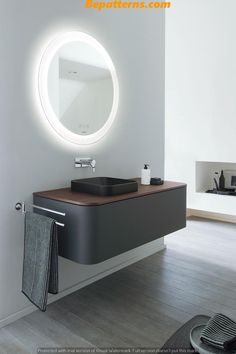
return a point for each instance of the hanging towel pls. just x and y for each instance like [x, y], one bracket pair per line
[40, 265]
[220, 332]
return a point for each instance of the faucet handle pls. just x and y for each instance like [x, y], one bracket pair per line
[93, 163]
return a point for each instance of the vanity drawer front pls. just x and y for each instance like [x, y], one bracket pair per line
[131, 223]
[93, 234]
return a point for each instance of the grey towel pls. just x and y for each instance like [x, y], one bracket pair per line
[40, 265]
[220, 332]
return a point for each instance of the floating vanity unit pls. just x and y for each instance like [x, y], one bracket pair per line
[100, 227]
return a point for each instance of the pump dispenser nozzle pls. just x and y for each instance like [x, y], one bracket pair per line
[146, 174]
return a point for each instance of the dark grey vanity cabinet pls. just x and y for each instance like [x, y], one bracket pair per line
[98, 228]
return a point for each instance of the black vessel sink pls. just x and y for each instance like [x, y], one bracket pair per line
[105, 186]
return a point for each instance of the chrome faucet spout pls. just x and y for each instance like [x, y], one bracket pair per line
[83, 162]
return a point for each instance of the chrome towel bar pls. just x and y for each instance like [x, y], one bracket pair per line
[21, 206]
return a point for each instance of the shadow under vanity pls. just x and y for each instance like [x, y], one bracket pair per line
[100, 227]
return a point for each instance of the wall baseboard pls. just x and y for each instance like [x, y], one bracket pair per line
[211, 215]
[52, 298]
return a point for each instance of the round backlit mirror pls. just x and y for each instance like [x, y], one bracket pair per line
[78, 87]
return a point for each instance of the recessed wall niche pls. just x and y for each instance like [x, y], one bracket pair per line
[205, 171]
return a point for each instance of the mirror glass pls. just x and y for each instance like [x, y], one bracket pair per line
[78, 87]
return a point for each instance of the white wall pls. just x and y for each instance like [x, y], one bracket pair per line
[200, 93]
[33, 158]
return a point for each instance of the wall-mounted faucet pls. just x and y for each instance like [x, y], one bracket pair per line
[82, 162]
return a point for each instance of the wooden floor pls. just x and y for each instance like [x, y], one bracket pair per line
[142, 305]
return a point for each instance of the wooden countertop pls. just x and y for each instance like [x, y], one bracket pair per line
[67, 196]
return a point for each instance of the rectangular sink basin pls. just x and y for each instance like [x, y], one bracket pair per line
[104, 186]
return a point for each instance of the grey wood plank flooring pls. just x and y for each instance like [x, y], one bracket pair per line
[141, 305]
[9, 344]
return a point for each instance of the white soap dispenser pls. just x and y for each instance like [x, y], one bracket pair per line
[145, 175]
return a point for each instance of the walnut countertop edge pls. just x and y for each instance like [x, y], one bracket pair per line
[68, 196]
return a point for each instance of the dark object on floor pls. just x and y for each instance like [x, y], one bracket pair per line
[156, 181]
[40, 266]
[220, 332]
[181, 338]
[203, 348]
